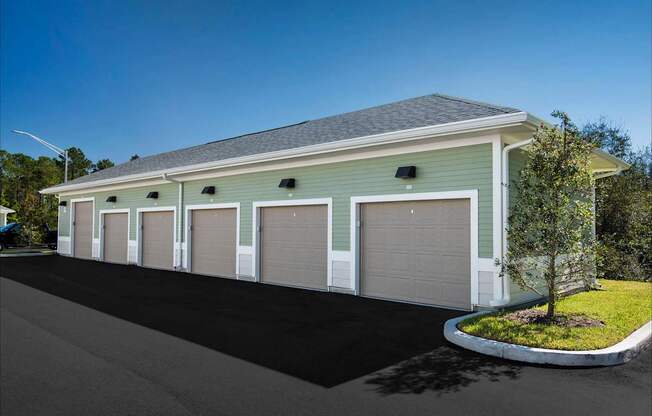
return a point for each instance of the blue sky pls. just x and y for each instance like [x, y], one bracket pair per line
[123, 77]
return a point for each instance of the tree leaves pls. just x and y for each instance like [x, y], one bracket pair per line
[550, 241]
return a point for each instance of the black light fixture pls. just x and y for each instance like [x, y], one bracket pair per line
[210, 190]
[112, 198]
[406, 172]
[287, 183]
[63, 203]
[153, 195]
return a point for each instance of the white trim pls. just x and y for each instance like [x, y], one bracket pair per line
[471, 194]
[187, 233]
[466, 126]
[102, 212]
[497, 215]
[255, 258]
[71, 224]
[139, 212]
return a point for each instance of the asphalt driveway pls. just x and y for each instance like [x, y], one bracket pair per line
[59, 357]
[323, 338]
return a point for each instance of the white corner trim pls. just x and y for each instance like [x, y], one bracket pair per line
[187, 233]
[139, 242]
[466, 126]
[619, 353]
[497, 214]
[471, 194]
[255, 212]
[71, 223]
[102, 212]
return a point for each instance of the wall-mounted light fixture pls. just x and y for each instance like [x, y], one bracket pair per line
[210, 190]
[112, 198]
[406, 172]
[63, 203]
[152, 195]
[287, 183]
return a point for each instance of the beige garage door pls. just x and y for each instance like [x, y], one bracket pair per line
[417, 251]
[115, 230]
[83, 230]
[157, 236]
[213, 242]
[294, 245]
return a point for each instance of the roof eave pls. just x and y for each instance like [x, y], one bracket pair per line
[467, 126]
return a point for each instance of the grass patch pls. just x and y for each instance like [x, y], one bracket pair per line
[624, 306]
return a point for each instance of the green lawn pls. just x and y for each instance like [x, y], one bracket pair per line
[623, 306]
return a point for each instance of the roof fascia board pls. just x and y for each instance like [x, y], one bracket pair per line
[467, 126]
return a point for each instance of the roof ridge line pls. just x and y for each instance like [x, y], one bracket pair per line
[473, 102]
[257, 132]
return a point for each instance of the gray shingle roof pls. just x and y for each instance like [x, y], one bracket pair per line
[423, 111]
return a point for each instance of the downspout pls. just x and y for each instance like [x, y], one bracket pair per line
[504, 182]
[180, 219]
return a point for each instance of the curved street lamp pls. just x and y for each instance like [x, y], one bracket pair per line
[61, 152]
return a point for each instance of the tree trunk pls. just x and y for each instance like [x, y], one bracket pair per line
[552, 292]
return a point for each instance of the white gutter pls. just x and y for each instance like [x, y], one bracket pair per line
[504, 182]
[179, 220]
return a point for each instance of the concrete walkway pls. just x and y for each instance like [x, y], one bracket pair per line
[60, 358]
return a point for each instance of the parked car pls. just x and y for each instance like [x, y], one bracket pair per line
[51, 237]
[10, 235]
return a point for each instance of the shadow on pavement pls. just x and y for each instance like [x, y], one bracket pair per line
[442, 370]
[320, 337]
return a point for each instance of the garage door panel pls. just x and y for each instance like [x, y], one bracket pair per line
[157, 237]
[417, 251]
[83, 230]
[116, 236]
[294, 246]
[214, 241]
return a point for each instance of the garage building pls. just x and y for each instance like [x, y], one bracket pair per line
[402, 202]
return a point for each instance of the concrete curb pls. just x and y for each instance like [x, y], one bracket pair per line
[39, 253]
[617, 354]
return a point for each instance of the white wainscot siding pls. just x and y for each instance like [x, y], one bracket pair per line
[245, 262]
[487, 281]
[342, 270]
[63, 245]
[96, 248]
[132, 255]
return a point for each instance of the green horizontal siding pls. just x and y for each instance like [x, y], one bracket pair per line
[460, 168]
[168, 195]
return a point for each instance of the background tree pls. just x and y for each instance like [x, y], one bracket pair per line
[623, 206]
[549, 234]
[78, 166]
[102, 164]
[21, 178]
[134, 157]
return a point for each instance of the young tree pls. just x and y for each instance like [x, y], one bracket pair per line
[549, 235]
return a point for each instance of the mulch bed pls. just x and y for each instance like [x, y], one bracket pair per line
[536, 316]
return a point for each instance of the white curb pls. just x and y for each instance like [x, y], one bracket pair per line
[617, 354]
[27, 254]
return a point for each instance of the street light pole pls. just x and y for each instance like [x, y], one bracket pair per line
[61, 152]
